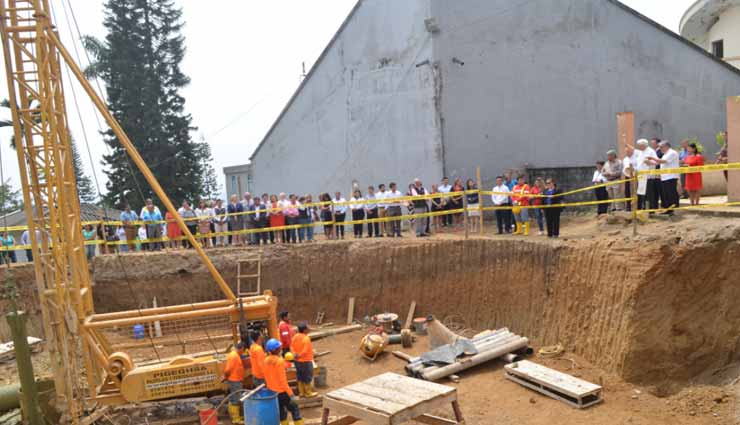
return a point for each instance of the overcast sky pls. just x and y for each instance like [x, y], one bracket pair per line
[245, 61]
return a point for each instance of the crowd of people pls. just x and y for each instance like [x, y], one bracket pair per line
[378, 213]
[654, 191]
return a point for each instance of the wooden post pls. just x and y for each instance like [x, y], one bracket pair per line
[30, 403]
[480, 201]
[635, 174]
[465, 214]
[733, 147]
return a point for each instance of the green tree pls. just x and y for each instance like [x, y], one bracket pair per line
[211, 187]
[85, 189]
[139, 62]
[10, 199]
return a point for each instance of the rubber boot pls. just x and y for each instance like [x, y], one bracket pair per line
[298, 422]
[518, 230]
[308, 388]
[235, 414]
[285, 422]
[526, 229]
[301, 389]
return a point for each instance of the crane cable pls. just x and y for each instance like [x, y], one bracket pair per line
[97, 184]
[117, 253]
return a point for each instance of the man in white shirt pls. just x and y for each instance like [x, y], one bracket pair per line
[629, 165]
[501, 198]
[394, 210]
[371, 209]
[382, 209]
[340, 213]
[668, 182]
[644, 188]
[446, 205]
[421, 206]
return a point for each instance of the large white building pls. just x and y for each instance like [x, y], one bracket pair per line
[715, 26]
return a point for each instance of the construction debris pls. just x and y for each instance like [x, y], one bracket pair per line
[552, 383]
[410, 316]
[453, 353]
[7, 350]
[331, 332]
[351, 311]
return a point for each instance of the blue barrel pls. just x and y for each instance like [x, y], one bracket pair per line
[262, 408]
[139, 332]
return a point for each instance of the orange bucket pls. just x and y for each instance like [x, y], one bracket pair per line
[207, 414]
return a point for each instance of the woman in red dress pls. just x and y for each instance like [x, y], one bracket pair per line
[173, 230]
[694, 180]
[277, 219]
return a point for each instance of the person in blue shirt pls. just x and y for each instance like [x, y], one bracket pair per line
[8, 241]
[553, 210]
[130, 228]
[151, 217]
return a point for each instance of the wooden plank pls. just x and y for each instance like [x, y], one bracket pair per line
[396, 395]
[422, 408]
[347, 420]
[559, 381]
[434, 420]
[359, 412]
[351, 311]
[384, 406]
[410, 316]
[331, 332]
[424, 389]
[578, 404]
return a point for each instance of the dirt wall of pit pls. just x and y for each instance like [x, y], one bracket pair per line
[657, 311]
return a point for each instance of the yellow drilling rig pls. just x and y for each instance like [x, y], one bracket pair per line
[91, 353]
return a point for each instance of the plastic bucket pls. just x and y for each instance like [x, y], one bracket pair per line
[262, 408]
[207, 414]
[139, 332]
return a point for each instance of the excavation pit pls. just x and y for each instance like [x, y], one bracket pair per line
[655, 314]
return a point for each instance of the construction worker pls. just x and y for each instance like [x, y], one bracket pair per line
[520, 196]
[277, 381]
[234, 377]
[257, 358]
[286, 331]
[303, 353]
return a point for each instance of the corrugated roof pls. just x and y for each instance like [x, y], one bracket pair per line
[88, 212]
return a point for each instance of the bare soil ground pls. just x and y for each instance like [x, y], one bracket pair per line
[486, 397]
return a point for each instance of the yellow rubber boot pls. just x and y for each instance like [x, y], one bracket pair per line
[285, 422]
[526, 229]
[235, 414]
[298, 422]
[308, 389]
[518, 230]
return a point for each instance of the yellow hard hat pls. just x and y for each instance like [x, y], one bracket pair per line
[516, 210]
[289, 356]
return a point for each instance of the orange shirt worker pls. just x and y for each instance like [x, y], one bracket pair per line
[303, 353]
[257, 359]
[277, 381]
[234, 375]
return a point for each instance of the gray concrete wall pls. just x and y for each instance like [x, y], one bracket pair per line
[365, 113]
[542, 82]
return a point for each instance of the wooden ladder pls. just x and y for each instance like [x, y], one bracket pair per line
[254, 280]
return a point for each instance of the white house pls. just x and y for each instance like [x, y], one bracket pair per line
[715, 26]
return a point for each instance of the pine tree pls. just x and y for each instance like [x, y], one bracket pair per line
[10, 199]
[139, 62]
[211, 188]
[85, 189]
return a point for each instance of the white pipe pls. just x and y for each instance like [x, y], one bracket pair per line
[488, 348]
[475, 360]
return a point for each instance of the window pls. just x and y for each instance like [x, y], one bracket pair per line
[234, 188]
[718, 48]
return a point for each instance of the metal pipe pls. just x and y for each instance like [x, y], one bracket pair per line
[511, 358]
[475, 360]
[478, 344]
[31, 407]
[9, 398]
[492, 346]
